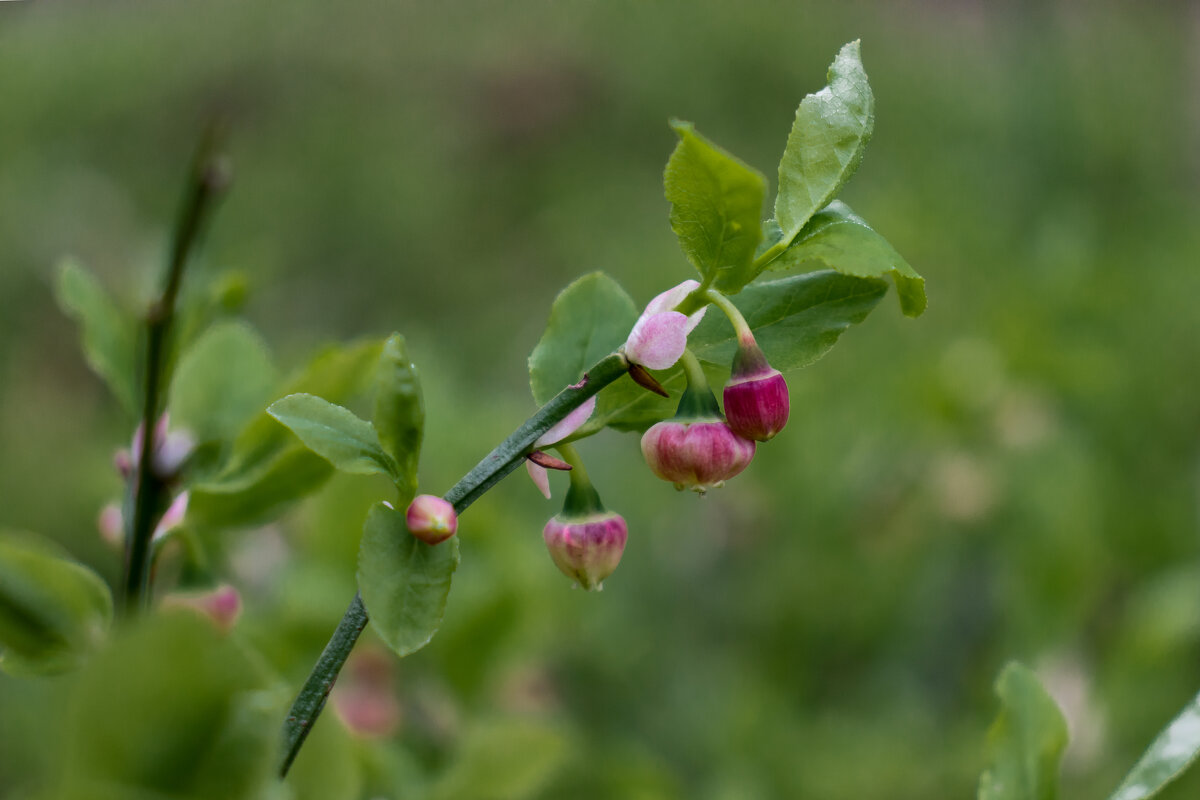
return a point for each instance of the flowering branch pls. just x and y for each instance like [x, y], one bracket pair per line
[148, 488]
[506, 457]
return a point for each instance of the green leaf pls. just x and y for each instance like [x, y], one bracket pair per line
[1025, 742]
[335, 434]
[109, 336]
[268, 469]
[1168, 756]
[399, 411]
[826, 144]
[173, 709]
[53, 611]
[716, 208]
[221, 382]
[259, 496]
[590, 319]
[404, 582]
[842, 240]
[796, 321]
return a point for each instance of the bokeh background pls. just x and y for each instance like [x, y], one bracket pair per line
[1015, 475]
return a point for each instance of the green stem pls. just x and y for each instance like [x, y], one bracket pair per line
[697, 380]
[740, 326]
[506, 457]
[149, 490]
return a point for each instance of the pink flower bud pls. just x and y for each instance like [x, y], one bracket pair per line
[698, 454]
[586, 548]
[431, 519]
[222, 605]
[756, 397]
[365, 695]
[111, 523]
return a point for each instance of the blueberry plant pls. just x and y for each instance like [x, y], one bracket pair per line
[221, 442]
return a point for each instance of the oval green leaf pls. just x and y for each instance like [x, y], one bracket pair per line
[221, 382]
[589, 320]
[399, 416]
[843, 241]
[53, 611]
[404, 582]
[335, 434]
[716, 208]
[1026, 741]
[826, 144]
[109, 336]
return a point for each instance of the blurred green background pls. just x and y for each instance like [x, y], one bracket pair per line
[1015, 475]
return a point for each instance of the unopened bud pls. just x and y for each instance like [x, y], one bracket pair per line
[431, 519]
[222, 605]
[756, 397]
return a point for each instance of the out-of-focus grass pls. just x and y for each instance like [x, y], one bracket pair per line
[1014, 475]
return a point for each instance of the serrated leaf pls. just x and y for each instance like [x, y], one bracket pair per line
[1025, 742]
[826, 144]
[716, 208]
[399, 416]
[53, 611]
[1172, 752]
[221, 382]
[404, 582]
[334, 433]
[796, 320]
[109, 336]
[590, 319]
[842, 240]
[197, 718]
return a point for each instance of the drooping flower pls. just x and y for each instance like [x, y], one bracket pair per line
[696, 449]
[698, 454]
[756, 396]
[585, 539]
[659, 337]
[431, 519]
[586, 548]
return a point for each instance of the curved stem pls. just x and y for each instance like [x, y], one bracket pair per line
[149, 490]
[740, 326]
[487, 473]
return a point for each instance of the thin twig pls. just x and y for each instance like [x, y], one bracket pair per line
[207, 179]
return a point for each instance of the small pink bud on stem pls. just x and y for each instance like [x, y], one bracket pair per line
[431, 519]
[756, 396]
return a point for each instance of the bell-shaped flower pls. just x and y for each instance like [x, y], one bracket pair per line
[659, 337]
[561, 430]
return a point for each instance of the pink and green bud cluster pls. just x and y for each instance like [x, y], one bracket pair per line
[756, 397]
[431, 519]
[586, 548]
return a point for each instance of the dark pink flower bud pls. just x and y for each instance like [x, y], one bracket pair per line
[431, 519]
[698, 454]
[586, 548]
[756, 397]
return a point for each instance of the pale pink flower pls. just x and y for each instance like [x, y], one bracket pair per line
[569, 424]
[659, 337]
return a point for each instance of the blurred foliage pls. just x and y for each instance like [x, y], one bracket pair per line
[1013, 476]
